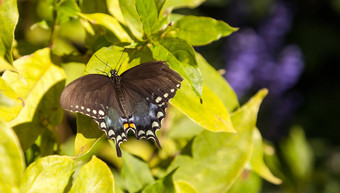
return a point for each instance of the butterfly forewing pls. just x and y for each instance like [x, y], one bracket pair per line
[135, 101]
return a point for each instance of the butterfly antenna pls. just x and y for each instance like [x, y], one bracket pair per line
[120, 59]
[106, 65]
[102, 71]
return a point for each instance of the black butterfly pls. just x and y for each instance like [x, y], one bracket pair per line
[135, 100]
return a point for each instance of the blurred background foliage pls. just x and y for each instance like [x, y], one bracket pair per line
[290, 47]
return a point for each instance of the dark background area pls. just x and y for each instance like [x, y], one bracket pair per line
[314, 27]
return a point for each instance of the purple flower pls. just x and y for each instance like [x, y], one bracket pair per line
[258, 59]
[254, 60]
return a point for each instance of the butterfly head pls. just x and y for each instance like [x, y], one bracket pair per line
[114, 73]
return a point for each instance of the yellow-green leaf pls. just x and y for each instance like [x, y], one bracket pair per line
[12, 160]
[110, 23]
[114, 9]
[256, 161]
[88, 133]
[37, 74]
[129, 10]
[4, 65]
[200, 31]
[217, 83]
[219, 158]
[94, 176]
[48, 174]
[8, 20]
[184, 187]
[10, 109]
[211, 114]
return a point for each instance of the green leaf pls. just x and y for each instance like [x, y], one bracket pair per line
[95, 176]
[37, 74]
[215, 117]
[148, 14]
[131, 17]
[183, 187]
[164, 185]
[200, 31]
[105, 59]
[12, 160]
[217, 83]
[108, 22]
[28, 133]
[8, 18]
[16, 103]
[4, 65]
[256, 161]
[247, 182]
[114, 9]
[219, 158]
[115, 57]
[298, 154]
[48, 174]
[48, 114]
[159, 4]
[90, 6]
[136, 173]
[88, 134]
[47, 142]
[73, 70]
[66, 9]
[181, 57]
[175, 4]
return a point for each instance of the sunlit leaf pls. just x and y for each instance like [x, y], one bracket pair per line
[37, 74]
[183, 187]
[131, 17]
[88, 133]
[200, 31]
[181, 57]
[95, 176]
[73, 70]
[247, 182]
[256, 161]
[4, 65]
[8, 19]
[14, 102]
[217, 83]
[147, 12]
[175, 4]
[12, 160]
[48, 174]
[66, 9]
[110, 23]
[114, 9]
[219, 158]
[215, 117]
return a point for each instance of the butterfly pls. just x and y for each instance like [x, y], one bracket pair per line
[135, 100]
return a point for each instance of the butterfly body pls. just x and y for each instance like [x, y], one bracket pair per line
[135, 100]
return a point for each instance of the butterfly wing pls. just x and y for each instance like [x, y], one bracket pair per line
[154, 80]
[137, 103]
[94, 95]
[148, 87]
